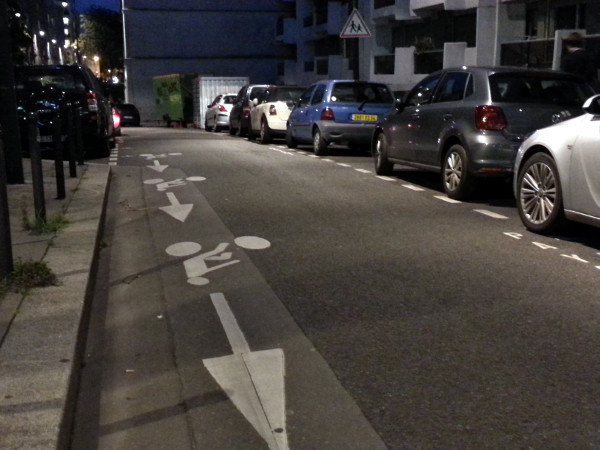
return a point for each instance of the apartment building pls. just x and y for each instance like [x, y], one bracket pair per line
[45, 30]
[411, 38]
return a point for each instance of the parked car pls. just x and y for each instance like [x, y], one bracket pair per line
[41, 88]
[338, 111]
[217, 114]
[129, 114]
[268, 117]
[468, 122]
[558, 173]
[239, 116]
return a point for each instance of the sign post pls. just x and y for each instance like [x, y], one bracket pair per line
[355, 27]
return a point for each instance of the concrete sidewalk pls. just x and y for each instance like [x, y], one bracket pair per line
[40, 331]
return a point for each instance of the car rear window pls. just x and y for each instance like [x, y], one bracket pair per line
[65, 81]
[348, 92]
[229, 99]
[517, 88]
[285, 94]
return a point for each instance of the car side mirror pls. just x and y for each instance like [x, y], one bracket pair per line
[592, 105]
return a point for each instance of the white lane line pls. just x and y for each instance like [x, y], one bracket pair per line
[491, 214]
[446, 199]
[381, 177]
[363, 170]
[344, 164]
[412, 187]
[327, 159]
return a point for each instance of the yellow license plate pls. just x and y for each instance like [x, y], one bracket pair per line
[364, 117]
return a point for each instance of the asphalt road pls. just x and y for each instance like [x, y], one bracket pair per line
[357, 311]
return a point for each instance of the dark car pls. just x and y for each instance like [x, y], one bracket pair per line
[42, 88]
[239, 116]
[468, 122]
[130, 116]
[338, 111]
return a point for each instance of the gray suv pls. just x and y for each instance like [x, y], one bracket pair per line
[468, 122]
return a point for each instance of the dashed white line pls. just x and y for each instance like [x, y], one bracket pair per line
[412, 187]
[344, 164]
[491, 214]
[381, 177]
[363, 170]
[446, 199]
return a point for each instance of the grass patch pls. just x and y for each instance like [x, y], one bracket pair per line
[27, 275]
[48, 226]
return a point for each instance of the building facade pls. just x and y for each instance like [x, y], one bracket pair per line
[228, 38]
[45, 31]
[298, 41]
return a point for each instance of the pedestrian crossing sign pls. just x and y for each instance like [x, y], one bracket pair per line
[355, 27]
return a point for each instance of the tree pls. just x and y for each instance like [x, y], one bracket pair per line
[21, 40]
[102, 35]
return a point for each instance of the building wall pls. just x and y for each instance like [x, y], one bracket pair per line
[204, 37]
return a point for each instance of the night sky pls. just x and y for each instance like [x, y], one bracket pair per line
[83, 5]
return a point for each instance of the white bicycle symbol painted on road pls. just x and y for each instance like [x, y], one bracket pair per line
[199, 265]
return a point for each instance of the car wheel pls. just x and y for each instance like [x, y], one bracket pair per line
[250, 134]
[289, 139]
[539, 195]
[265, 133]
[241, 131]
[319, 144]
[458, 183]
[382, 165]
[232, 129]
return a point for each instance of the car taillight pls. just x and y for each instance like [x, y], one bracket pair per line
[116, 118]
[222, 108]
[272, 110]
[490, 118]
[92, 101]
[327, 114]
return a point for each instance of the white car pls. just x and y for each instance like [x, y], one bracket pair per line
[269, 115]
[217, 114]
[558, 173]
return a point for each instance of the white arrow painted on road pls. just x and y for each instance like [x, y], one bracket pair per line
[175, 209]
[157, 166]
[254, 381]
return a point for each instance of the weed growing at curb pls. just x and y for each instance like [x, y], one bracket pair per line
[51, 225]
[27, 275]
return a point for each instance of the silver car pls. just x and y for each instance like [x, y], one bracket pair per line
[468, 122]
[217, 114]
[558, 173]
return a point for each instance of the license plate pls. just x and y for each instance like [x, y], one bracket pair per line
[365, 117]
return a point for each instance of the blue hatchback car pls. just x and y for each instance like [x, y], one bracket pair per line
[338, 111]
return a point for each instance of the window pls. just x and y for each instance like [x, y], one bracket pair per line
[452, 87]
[423, 92]
[304, 98]
[319, 93]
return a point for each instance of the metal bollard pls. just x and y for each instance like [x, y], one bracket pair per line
[79, 136]
[37, 177]
[59, 168]
[71, 142]
[6, 256]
